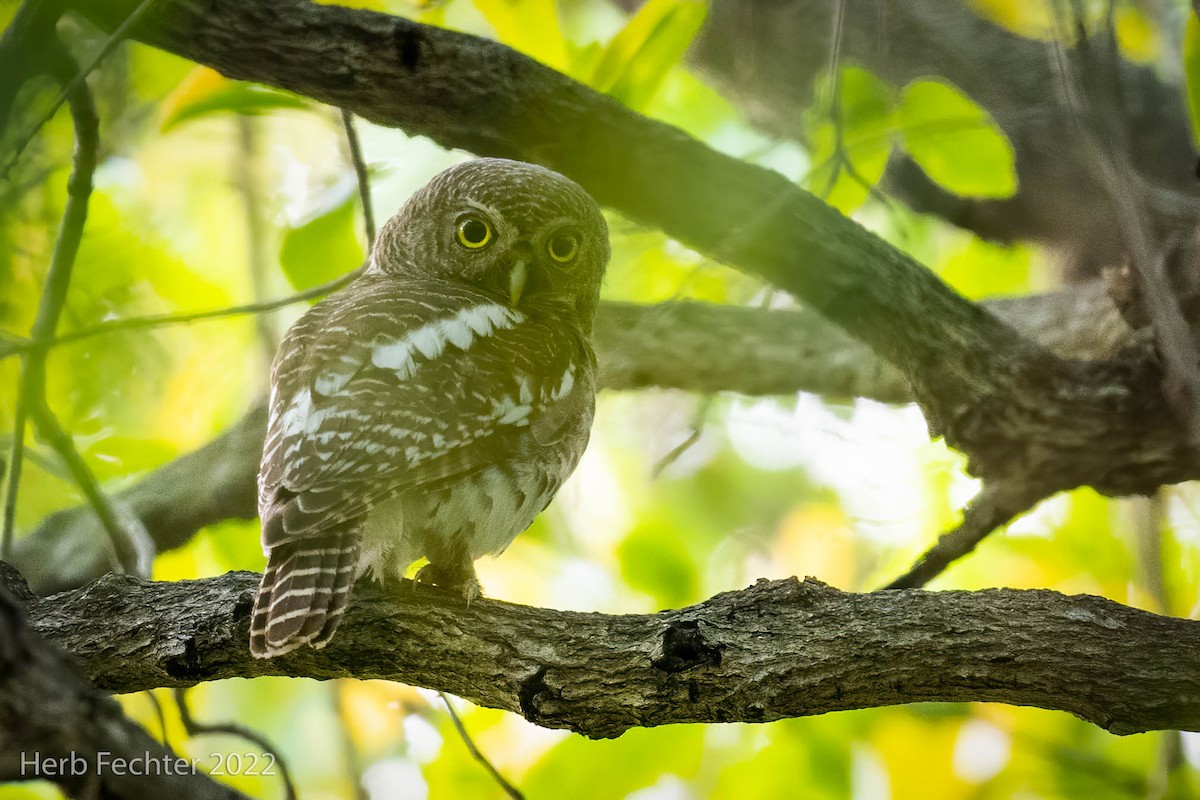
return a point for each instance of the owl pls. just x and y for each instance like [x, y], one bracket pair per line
[434, 406]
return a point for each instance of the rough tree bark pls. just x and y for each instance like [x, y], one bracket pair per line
[55, 726]
[777, 649]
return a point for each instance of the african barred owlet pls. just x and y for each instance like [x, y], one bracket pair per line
[435, 405]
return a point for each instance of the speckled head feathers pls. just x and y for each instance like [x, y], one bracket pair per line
[478, 220]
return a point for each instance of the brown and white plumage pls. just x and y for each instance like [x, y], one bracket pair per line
[435, 405]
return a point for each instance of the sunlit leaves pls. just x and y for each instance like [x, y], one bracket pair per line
[655, 561]
[531, 26]
[205, 91]
[324, 247]
[637, 60]
[850, 147]
[1191, 69]
[980, 269]
[1032, 19]
[956, 141]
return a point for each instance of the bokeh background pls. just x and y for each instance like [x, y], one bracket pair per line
[212, 193]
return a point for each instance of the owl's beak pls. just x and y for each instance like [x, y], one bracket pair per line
[516, 281]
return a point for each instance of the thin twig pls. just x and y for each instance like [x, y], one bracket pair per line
[74, 82]
[164, 320]
[131, 544]
[195, 728]
[990, 509]
[511, 790]
[16, 459]
[246, 179]
[835, 101]
[360, 174]
[158, 713]
[676, 452]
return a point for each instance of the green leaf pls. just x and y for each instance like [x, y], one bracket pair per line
[979, 269]
[653, 560]
[956, 142]
[531, 26]
[204, 92]
[580, 768]
[638, 58]
[1191, 72]
[322, 248]
[868, 116]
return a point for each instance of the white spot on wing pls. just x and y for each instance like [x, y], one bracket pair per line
[430, 340]
[565, 385]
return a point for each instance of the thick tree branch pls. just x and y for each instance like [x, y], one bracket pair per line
[775, 650]
[1016, 411]
[50, 714]
[472, 93]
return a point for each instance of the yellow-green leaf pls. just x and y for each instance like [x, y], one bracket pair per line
[867, 114]
[956, 142]
[638, 58]
[1191, 71]
[323, 248]
[205, 91]
[531, 26]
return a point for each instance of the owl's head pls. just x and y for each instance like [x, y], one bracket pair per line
[519, 232]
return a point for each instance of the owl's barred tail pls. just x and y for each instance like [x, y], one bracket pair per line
[303, 594]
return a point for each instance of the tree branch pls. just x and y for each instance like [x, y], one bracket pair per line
[1016, 411]
[777, 649]
[766, 57]
[49, 712]
[471, 93]
[691, 346]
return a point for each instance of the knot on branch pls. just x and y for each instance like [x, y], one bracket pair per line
[683, 647]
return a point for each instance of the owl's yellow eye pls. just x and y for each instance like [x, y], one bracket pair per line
[563, 247]
[474, 233]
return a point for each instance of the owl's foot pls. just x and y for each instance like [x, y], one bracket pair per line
[463, 582]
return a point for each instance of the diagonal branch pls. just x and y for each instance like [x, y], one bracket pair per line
[54, 725]
[986, 512]
[777, 649]
[1017, 412]
[471, 93]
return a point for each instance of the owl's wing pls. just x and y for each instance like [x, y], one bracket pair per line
[392, 385]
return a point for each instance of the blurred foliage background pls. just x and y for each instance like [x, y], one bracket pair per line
[213, 193]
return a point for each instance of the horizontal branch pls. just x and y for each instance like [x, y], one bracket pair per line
[774, 650]
[692, 346]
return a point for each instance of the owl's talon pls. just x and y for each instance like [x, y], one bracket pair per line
[465, 584]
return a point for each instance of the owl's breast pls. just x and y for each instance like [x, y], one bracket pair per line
[480, 512]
